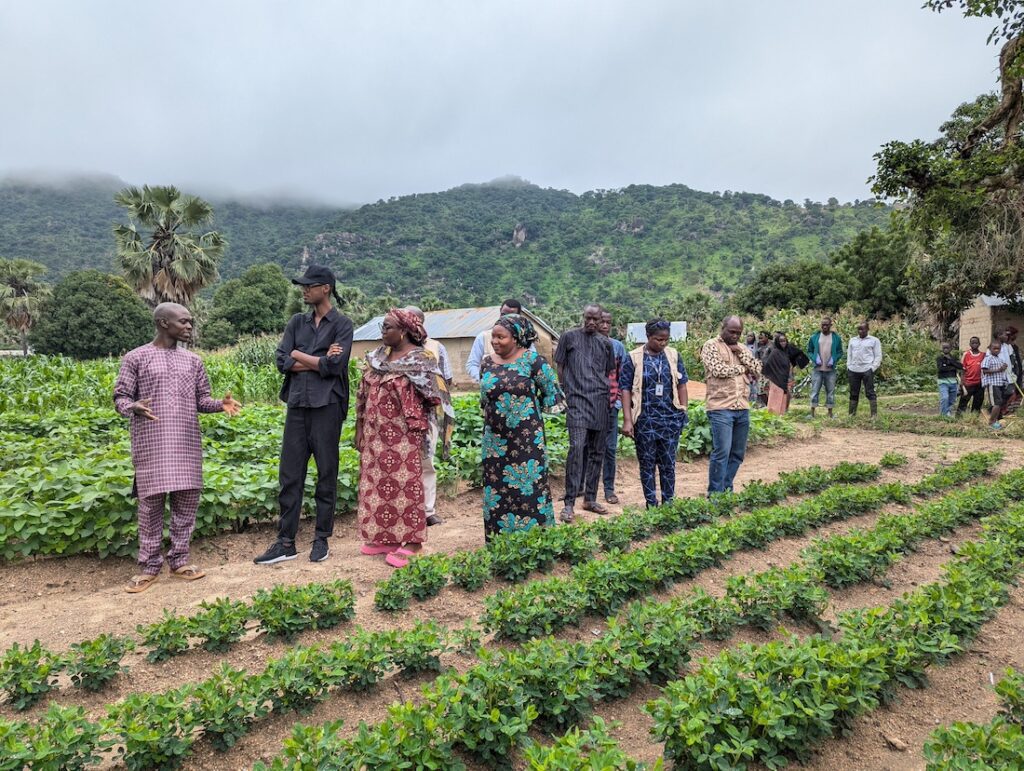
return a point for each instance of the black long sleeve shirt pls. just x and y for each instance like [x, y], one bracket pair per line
[948, 366]
[329, 385]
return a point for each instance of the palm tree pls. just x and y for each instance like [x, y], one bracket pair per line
[21, 293]
[175, 263]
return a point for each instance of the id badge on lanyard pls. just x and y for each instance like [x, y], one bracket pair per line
[659, 389]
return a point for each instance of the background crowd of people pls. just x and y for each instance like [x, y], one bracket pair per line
[404, 414]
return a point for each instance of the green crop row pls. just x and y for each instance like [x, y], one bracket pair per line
[996, 744]
[513, 556]
[158, 730]
[29, 673]
[772, 703]
[551, 684]
[602, 586]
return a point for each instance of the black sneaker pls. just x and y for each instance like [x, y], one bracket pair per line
[276, 553]
[320, 550]
[433, 519]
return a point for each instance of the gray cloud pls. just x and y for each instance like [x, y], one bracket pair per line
[354, 101]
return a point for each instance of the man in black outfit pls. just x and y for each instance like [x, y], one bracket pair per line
[313, 356]
[585, 360]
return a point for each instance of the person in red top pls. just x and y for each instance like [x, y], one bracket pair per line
[970, 382]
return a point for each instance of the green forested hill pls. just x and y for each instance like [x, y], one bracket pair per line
[473, 244]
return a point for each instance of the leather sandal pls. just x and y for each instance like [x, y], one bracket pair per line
[187, 573]
[595, 507]
[612, 498]
[140, 583]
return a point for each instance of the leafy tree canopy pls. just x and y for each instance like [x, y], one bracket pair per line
[804, 284]
[21, 293]
[252, 304]
[91, 314]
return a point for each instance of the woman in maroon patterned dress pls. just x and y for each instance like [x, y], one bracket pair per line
[394, 407]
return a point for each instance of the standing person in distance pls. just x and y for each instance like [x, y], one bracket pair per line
[443, 423]
[615, 382]
[313, 357]
[162, 388]
[729, 369]
[585, 358]
[971, 388]
[516, 386]
[654, 403]
[863, 358]
[482, 344]
[394, 411]
[996, 380]
[777, 369]
[825, 350]
[949, 368]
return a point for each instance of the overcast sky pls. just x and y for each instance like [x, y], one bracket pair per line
[351, 101]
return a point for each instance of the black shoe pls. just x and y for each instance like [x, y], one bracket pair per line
[276, 553]
[433, 519]
[320, 550]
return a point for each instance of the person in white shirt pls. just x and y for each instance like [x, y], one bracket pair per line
[863, 358]
[482, 343]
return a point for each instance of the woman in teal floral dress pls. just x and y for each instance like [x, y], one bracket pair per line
[515, 385]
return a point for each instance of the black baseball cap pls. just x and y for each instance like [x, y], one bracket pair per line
[316, 275]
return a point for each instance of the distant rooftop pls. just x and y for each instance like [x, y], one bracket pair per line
[450, 323]
[994, 300]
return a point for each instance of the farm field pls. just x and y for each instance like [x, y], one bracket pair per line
[76, 598]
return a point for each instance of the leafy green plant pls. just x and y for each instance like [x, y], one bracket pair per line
[155, 729]
[361, 660]
[761, 599]
[165, 638]
[62, 740]
[470, 569]
[893, 460]
[591, 750]
[94, 663]
[220, 623]
[420, 648]
[309, 748]
[226, 704]
[1011, 696]
[299, 679]
[27, 674]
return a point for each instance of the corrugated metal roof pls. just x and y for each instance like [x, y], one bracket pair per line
[994, 300]
[453, 322]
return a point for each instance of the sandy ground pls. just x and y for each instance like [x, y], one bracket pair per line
[60, 601]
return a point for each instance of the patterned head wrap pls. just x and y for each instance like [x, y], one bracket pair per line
[520, 328]
[410, 324]
[654, 326]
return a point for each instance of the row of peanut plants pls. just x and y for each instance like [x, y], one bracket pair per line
[552, 684]
[603, 586]
[29, 673]
[996, 744]
[158, 730]
[770, 704]
[514, 556]
[639, 650]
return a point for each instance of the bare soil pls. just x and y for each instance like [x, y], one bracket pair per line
[64, 600]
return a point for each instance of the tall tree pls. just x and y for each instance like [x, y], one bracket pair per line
[964, 192]
[172, 263]
[21, 293]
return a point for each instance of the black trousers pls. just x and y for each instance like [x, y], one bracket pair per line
[583, 466]
[856, 379]
[975, 394]
[308, 431]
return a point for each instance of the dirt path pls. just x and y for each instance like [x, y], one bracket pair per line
[60, 601]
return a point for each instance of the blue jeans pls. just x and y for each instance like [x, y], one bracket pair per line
[729, 430]
[947, 397]
[829, 379]
[610, 450]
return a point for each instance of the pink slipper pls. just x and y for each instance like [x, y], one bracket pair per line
[398, 558]
[372, 548]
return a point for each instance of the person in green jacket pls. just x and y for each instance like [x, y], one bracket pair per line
[825, 350]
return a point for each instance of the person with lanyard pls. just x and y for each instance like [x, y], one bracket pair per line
[614, 379]
[729, 369]
[444, 422]
[777, 369]
[482, 344]
[161, 387]
[863, 358]
[970, 382]
[654, 404]
[516, 385]
[825, 350]
[395, 407]
[313, 357]
[949, 369]
[584, 357]
[995, 379]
